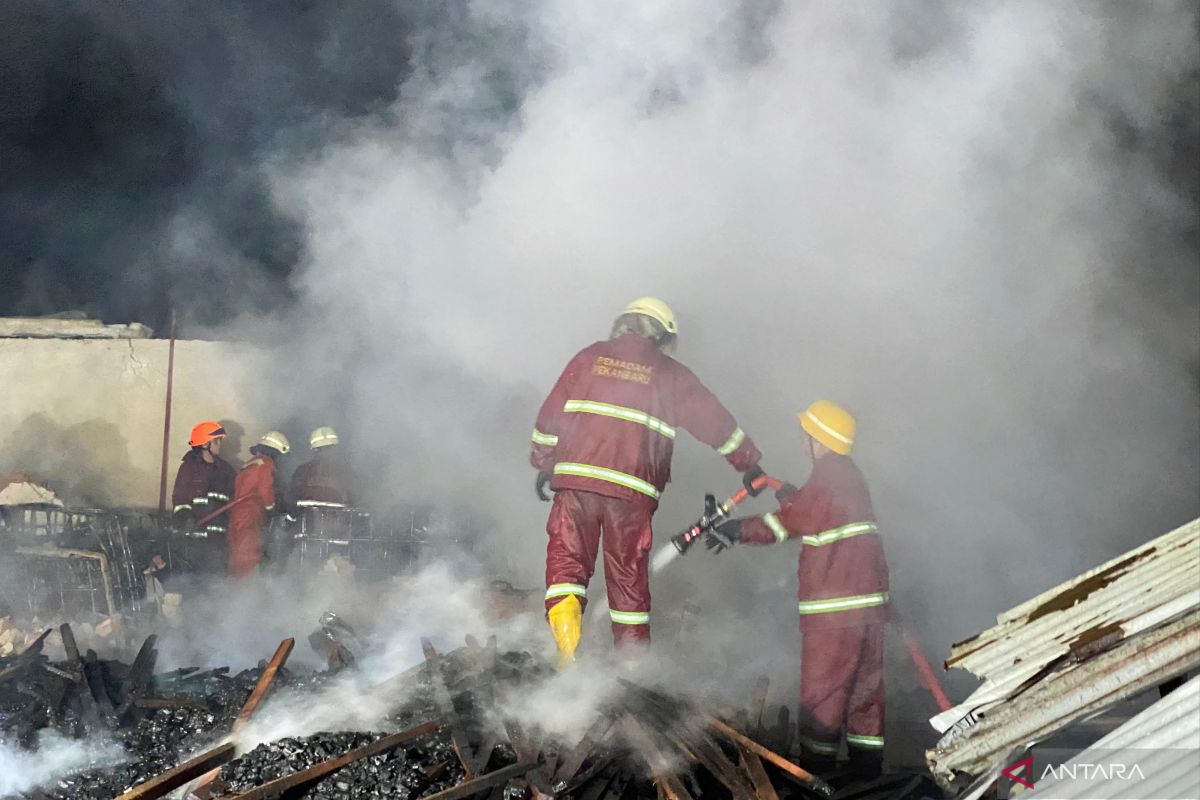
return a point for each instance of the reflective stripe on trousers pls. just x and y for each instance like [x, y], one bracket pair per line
[564, 589]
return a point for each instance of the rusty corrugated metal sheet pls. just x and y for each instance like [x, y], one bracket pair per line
[1055, 658]
[1163, 741]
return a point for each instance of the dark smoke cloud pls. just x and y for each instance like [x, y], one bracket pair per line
[132, 138]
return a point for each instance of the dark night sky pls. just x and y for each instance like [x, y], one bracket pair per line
[116, 117]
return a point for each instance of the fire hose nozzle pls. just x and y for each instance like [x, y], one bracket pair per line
[713, 516]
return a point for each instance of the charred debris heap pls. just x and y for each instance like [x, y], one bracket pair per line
[451, 736]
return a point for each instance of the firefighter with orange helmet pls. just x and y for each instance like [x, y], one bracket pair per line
[203, 484]
[843, 590]
[603, 443]
[254, 498]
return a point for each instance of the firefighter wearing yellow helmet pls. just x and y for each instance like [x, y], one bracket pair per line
[603, 442]
[843, 590]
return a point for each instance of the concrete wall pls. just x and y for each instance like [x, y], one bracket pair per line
[86, 415]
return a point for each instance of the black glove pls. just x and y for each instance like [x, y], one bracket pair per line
[784, 491]
[543, 478]
[724, 536]
[749, 477]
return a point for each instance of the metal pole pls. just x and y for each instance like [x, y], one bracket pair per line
[162, 482]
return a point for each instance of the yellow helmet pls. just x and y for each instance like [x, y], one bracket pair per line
[277, 441]
[656, 310]
[322, 437]
[831, 425]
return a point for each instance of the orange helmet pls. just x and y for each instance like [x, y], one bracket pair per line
[205, 432]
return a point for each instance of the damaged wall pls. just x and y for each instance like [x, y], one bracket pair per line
[86, 416]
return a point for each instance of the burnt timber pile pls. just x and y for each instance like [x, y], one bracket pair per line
[454, 735]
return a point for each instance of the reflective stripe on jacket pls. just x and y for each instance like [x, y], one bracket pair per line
[609, 424]
[201, 488]
[843, 575]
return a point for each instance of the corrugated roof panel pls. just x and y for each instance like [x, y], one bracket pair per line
[1163, 740]
[1073, 651]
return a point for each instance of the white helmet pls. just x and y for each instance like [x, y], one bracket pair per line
[277, 441]
[322, 437]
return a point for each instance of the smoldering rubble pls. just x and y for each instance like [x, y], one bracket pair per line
[455, 725]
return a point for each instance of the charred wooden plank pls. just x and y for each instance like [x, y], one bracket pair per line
[804, 776]
[69, 645]
[758, 702]
[140, 675]
[763, 789]
[166, 782]
[441, 697]
[661, 773]
[314, 773]
[203, 786]
[264, 683]
[476, 785]
[574, 760]
[26, 658]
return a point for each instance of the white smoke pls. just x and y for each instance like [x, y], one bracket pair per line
[924, 211]
[22, 769]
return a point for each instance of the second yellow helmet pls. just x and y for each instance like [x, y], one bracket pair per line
[831, 425]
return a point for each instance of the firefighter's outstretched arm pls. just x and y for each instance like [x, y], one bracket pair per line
[702, 415]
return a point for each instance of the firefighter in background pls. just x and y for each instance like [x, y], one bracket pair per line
[254, 498]
[843, 591]
[327, 480]
[203, 484]
[603, 442]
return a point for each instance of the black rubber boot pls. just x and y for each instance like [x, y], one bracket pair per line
[866, 764]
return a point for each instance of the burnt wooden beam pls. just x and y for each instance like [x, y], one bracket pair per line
[579, 753]
[166, 782]
[758, 702]
[314, 773]
[799, 773]
[264, 683]
[140, 675]
[664, 778]
[441, 698]
[479, 784]
[203, 787]
[26, 658]
[750, 762]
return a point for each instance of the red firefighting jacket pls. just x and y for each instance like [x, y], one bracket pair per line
[201, 488]
[609, 424]
[328, 479]
[254, 491]
[843, 574]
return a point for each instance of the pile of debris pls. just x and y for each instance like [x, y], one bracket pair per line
[454, 735]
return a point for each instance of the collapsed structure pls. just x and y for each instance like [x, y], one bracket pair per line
[1129, 625]
[450, 727]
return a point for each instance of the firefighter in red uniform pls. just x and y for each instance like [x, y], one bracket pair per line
[603, 442]
[843, 590]
[254, 498]
[328, 478]
[203, 484]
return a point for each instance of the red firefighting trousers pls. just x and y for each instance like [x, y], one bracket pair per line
[841, 688]
[579, 522]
